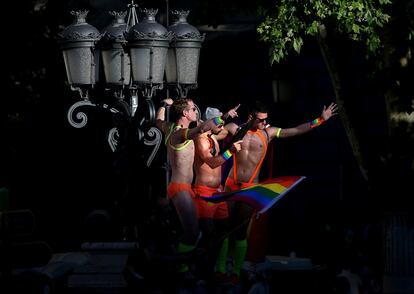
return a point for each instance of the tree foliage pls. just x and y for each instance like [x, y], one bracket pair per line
[289, 22]
[384, 28]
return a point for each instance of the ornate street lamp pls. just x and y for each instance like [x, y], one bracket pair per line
[136, 58]
[148, 43]
[78, 47]
[184, 54]
[115, 60]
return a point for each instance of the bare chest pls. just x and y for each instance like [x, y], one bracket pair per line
[253, 143]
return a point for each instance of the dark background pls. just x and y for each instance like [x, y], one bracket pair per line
[62, 173]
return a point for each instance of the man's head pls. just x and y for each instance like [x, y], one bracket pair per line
[258, 113]
[211, 113]
[183, 108]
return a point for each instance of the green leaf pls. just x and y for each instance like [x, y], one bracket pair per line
[297, 44]
[355, 28]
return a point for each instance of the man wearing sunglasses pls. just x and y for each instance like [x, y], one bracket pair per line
[180, 148]
[212, 217]
[245, 173]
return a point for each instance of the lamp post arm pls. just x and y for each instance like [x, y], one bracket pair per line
[81, 117]
[156, 142]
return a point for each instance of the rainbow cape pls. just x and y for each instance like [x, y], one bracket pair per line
[261, 196]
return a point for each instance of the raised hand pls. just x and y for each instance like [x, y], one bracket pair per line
[236, 146]
[329, 111]
[167, 101]
[232, 112]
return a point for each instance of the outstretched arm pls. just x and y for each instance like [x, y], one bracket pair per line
[211, 123]
[190, 133]
[326, 114]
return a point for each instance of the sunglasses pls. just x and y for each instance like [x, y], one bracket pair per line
[260, 120]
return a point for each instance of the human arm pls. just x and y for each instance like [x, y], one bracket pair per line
[221, 120]
[231, 113]
[210, 124]
[228, 130]
[326, 114]
[203, 151]
[160, 118]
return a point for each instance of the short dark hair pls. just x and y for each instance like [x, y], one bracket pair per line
[256, 107]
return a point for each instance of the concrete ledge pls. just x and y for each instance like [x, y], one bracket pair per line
[285, 263]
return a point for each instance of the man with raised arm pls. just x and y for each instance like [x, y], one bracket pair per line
[180, 148]
[246, 166]
[213, 218]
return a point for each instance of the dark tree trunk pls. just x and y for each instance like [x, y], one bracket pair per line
[341, 101]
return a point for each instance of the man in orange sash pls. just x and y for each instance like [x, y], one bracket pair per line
[245, 173]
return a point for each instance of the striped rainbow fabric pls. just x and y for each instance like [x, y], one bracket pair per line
[261, 196]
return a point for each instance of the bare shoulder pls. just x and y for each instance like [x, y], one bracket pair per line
[200, 138]
[273, 132]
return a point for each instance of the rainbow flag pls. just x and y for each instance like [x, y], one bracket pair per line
[261, 196]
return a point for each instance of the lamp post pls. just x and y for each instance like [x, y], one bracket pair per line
[136, 56]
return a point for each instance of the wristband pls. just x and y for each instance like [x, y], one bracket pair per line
[227, 154]
[218, 121]
[316, 122]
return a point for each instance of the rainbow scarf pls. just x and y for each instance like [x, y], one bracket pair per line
[261, 196]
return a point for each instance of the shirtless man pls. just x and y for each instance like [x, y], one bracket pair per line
[247, 164]
[213, 218]
[180, 148]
